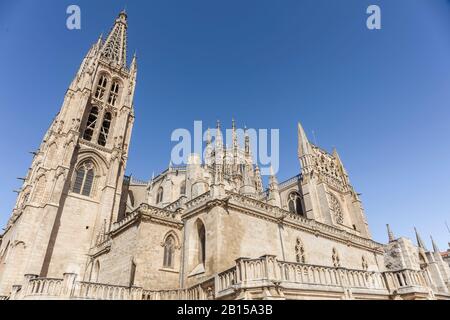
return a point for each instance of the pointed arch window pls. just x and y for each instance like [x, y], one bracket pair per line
[114, 93]
[104, 132]
[84, 179]
[295, 204]
[101, 87]
[300, 251]
[169, 252]
[160, 195]
[201, 243]
[90, 125]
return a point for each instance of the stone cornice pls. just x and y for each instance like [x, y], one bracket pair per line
[146, 212]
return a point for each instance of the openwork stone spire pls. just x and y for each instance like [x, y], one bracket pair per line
[115, 47]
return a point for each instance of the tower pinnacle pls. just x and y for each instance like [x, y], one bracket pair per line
[114, 49]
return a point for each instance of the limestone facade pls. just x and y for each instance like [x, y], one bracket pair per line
[81, 229]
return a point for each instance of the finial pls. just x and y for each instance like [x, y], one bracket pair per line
[218, 124]
[420, 242]
[435, 246]
[390, 234]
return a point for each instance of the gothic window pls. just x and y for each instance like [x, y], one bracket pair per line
[160, 195]
[295, 204]
[40, 189]
[335, 258]
[300, 252]
[84, 178]
[106, 125]
[114, 93]
[202, 243]
[183, 188]
[336, 208]
[364, 264]
[101, 87]
[169, 252]
[90, 125]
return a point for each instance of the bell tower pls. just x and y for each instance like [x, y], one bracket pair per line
[72, 190]
[329, 197]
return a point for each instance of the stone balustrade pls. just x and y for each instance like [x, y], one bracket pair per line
[45, 287]
[195, 293]
[198, 200]
[267, 271]
[247, 274]
[98, 291]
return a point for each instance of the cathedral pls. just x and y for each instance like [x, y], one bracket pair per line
[82, 229]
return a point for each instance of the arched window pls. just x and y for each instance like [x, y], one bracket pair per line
[160, 195]
[101, 87]
[106, 125]
[90, 125]
[201, 243]
[84, 179]
[114, 93]
[295, 204]
[40, 189]
[183, 188]
[300, 251]
[169, 252]
[335, 258]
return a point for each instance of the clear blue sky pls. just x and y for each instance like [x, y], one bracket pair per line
[382, 98]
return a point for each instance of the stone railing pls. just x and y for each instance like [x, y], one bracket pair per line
[133, 180]
[195, 293]
[249, 275]
[226, 280]
[198, 200]
[44, 287]
[98, 291]
[174, 206]
[289, 181]
[405, 280]
[267, 271]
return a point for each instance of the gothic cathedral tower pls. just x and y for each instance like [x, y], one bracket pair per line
[328, 195]
[72, 191]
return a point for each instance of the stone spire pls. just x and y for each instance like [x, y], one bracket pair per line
[420, 242]
[115, 47]
[303, 143]
[259, 183]
[390, 233]
[435, 246]
[274, 194]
